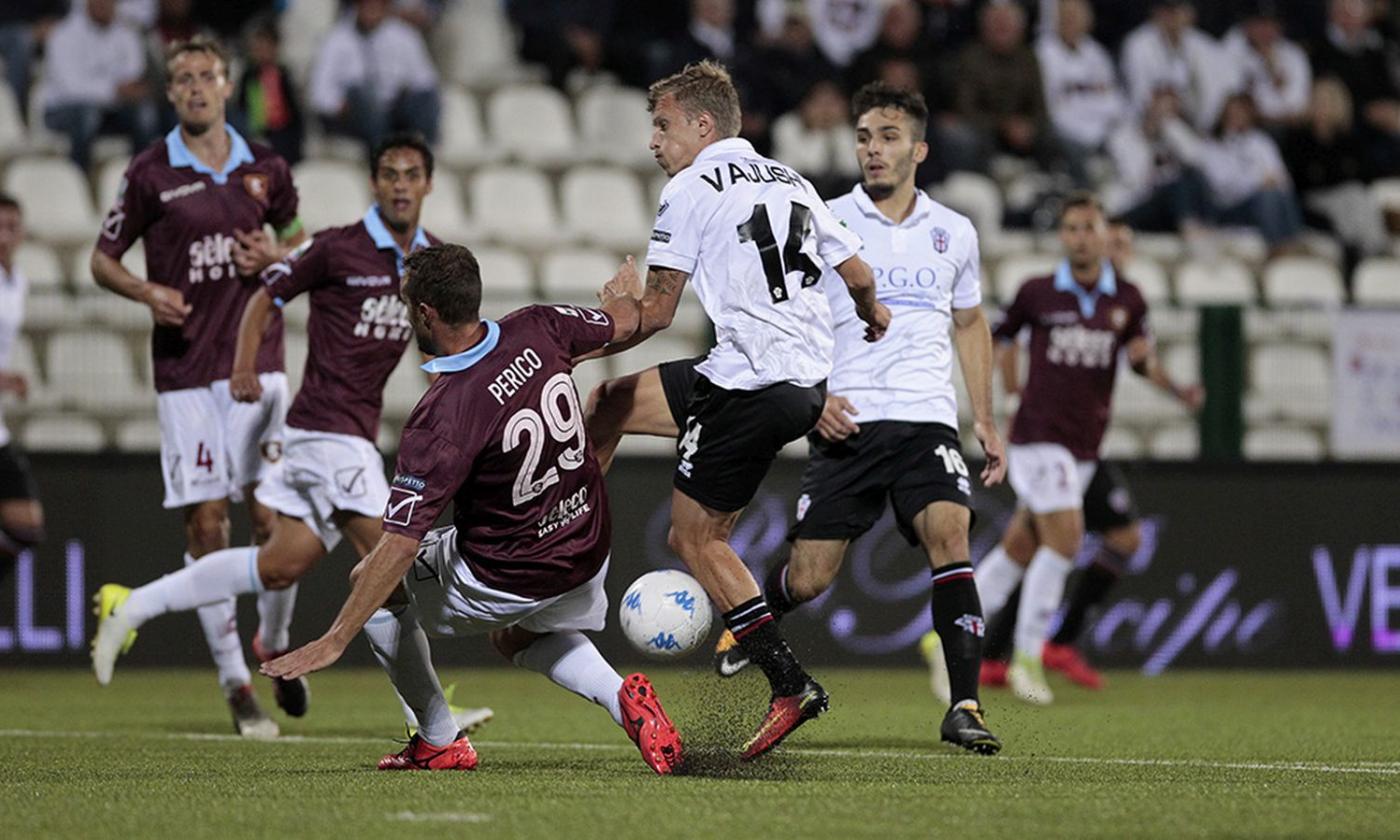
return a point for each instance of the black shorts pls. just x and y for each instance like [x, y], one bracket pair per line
[16, 478]
[1108, 503]
[846, 483]
[729, 438]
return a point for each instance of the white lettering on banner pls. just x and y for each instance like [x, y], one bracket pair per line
[27, 635]
[1079, 346]
[1366, 385]
[1377, 565]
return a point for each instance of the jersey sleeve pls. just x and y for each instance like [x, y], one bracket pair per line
[836, 243]
[427, 475]
[967, 286]
[301, 271]
[135, 210]
[1137, 326]
[283, 202]
[576, 329]
[676, 234]
[1016, 316]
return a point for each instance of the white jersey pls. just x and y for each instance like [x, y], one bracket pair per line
[753, 235]
[1081, 89]
[13, 287]
[925, 267]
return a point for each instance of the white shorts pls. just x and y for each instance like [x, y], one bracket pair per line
[1047, 478]
[321, 473]
[450, 601]
[212, 446]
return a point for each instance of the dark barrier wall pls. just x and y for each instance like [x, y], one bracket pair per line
[1247, 565]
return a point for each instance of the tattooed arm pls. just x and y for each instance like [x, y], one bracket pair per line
[658, 306]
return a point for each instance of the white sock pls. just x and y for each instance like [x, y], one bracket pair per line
[213, 579]
[996, 575]
[214, 588]
[401, 646]
[571, 660]
[275, 618]
[1040, 597]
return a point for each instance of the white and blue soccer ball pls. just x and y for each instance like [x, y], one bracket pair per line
[665, 614]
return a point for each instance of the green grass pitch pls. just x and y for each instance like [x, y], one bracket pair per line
[1190, 754]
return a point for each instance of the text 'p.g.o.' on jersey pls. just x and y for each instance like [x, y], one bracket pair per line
[753, 235]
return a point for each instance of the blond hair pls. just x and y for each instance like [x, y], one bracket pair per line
[703, 87]
[197, 44]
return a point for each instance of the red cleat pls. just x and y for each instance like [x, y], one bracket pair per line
[1066, 660]
[993, 674]
[784, 715]
[648, 726]
[420, 755]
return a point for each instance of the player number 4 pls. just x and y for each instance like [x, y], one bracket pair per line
[952, 460]
[776, 267]
[561, 417]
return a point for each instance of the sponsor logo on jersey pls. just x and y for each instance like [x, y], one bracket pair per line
[1118, 317]
[271, 451]
[182, 191]
[661, 211]
[1078, 346]
[384, 318]
[399, 510]
[371, 281]
[660, 236]
[256, 185]
[411, 482]
[940, 240]
[564, 513]
[351, 481]
[211, 258]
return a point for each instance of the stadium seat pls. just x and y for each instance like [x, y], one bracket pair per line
[1290, 381]
[1176, 442]
[12, 139]
[1121, 444]
[1302, 281]
[690, 319]
[1377, 282]
[1283, 443]
[296, 349]
[63, 433]
[497, 305]
[1244, 244]
[445, 210]
[1170, 323]
[975, 196]
[1386, 193]
[388, 439]
[80, 275]
[116, 312]
[109, 182]
[1182, 361]
[1150, 278]
[296, 313]
[463, 136]
[95, 370]
[604, 206]
[23, 361]
[303, 26]
[615, 126]
[576, 275]
[41, 265]
[52, 310]
[1014, 271]
[57, 205]
[1208, 284]
[663, 347]
[405, 386]
[1135, 400]
[333, 193]
[504, 272]
[532, 124]
[478, 45]
[589, 375]
[647, 446]
[139, 435]
[514, 205]
[1164, 247]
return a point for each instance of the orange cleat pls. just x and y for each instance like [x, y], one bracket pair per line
[420, 755]
[784, 715]
[993, 674]
[648, 726]
[1066, 660]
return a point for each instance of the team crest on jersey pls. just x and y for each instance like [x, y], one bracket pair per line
[804, 502]
[940, 240]
[256, 185]
[1118, 317]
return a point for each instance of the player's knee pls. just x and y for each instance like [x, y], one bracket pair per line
[608, 400]
[19, 536]
[206, 529]
[282, 571]
[949, 545]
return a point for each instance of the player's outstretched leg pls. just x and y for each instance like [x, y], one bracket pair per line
[569, 659]
[729, 657]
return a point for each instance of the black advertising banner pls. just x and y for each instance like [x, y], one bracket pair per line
[1244, 565]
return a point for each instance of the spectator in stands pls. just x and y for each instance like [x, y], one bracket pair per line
[94, 80]
[1249, 184]
[999, 92]
[709, 34]
[1354, 52]
[778, 73]
[266, 99]
[1274, 70]
[563, 34]
[1155, 190]
[901, 38]
[816, 139]
[1168, 52]
[373, 76]
[842, 29]
[1081, 84]
[1328, 164]
[24, 26]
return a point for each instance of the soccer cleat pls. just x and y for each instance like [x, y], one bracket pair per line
[730, 659]
[1026, 676]
[784, 715]
[648, 726]
[114, 635]
[993, 674]
[964, 727]
[1066, 660]
[249, 720]
[931, 648]
[293, 696]
[420, 755]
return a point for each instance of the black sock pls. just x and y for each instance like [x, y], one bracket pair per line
[1001, 629]
[757, 633]
[1089, 589]
[957, 618]
[775, 591]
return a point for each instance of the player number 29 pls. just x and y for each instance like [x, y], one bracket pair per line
[777, 266]
[952, 460]
[561, 418]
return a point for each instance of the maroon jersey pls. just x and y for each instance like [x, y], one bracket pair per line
[501, 434]
[1075, 339]
[358, 328]
[187, 214]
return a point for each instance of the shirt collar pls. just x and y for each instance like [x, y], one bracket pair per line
[729, 146]
[180, 154]
[384, 241]
[1088, 298]
[923, 205]
[459, 362]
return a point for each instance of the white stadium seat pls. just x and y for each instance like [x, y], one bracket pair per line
[663, 347]
[1221, 282]
[52, 310]
[504, 272]
[303, 25]
[1163, 247]
[23, 361]
[63, 433]
[463, 135]
[604, 205]
[647, 446]
[975, 196]
[445, 210]
[477, 43]
[332, 193]
[615, 126]
[1291, 381]
[116, 312]
[41, 265]
[1012, 272]
[1302, 281]
[1176, 442]
[1182, 361]
[1377, 282]
[1170, 323]
[1122, 444]
[1151, 279]
[139, 435]
[1136, 400]
[532, 123]
[1283, 443]
[296, 313]
[57, 205]
[514, 204]
[406, 385]
[109, 182]
[576, 275]
[96, 371]
[1386, 193]
[12, 139]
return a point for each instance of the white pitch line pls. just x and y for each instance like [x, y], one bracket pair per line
[440, 816]
[1376, 768]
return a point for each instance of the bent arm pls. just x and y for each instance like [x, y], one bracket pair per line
[382, 571]
[654, 311]
[860, 283]
[257, 316]
[110, 274]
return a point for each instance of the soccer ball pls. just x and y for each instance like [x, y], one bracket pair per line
[665, 614]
